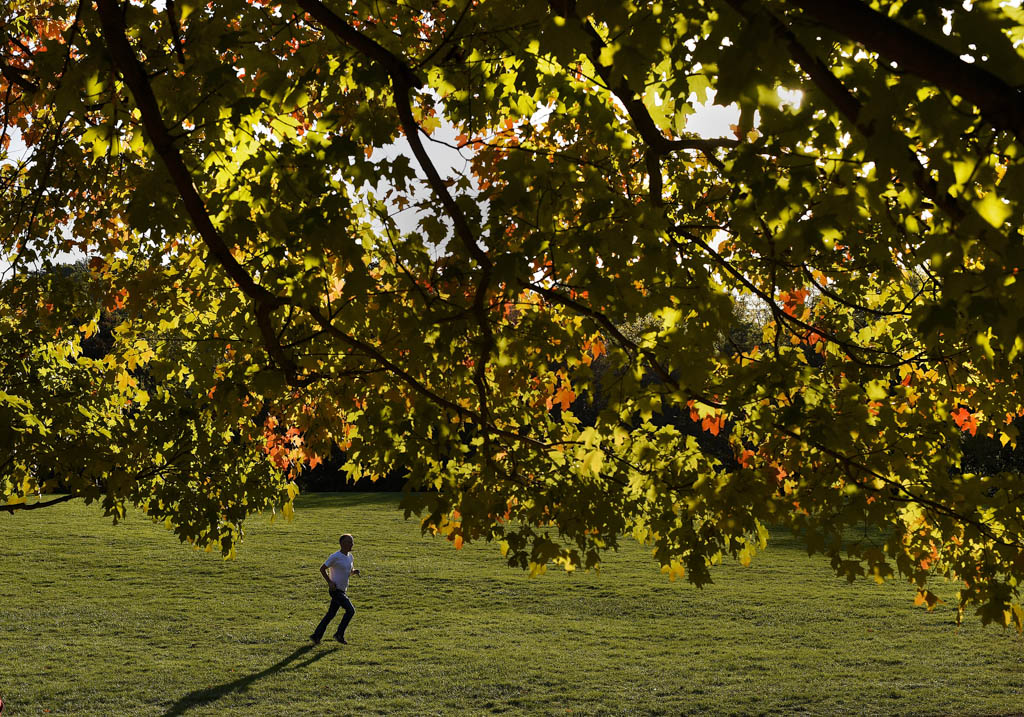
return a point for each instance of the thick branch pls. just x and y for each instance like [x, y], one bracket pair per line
[634, 105]
[115, 35]
[16, 76]
[848, 105]
[1000, 104]
[658, 144]
[12, 509]
[134, 74]
[403, 82]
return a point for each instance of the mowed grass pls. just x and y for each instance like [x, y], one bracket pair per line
[98, 619]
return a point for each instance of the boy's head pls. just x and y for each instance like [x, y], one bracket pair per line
[346, 542]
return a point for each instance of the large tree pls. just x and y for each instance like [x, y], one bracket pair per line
[258, 189]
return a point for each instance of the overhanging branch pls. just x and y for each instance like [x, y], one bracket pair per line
[782, 317]
[658, 144]
[16, 76]
[1000, 104]
[18, 507]
[403, 82]
[619, 338]
[134, 74]
[848, 105]
[901, 490]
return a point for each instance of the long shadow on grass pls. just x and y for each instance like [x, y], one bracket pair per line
[198, 698]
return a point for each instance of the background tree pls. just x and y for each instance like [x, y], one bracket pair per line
[234, 171]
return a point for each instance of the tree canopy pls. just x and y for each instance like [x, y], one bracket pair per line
[261, 190]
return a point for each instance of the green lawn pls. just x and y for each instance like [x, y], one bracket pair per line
[122, 620]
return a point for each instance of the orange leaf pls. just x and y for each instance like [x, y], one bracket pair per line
[713, 424]
[565, 396]
[965, 420]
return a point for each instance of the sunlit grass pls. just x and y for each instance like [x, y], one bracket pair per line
[122, 620]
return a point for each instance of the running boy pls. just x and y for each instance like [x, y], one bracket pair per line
[336, 571]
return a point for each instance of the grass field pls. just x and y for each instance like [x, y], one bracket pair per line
[122, 620]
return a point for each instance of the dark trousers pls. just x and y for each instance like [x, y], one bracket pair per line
[338, 600]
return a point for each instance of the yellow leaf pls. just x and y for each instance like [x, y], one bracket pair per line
[928, 599]
[593, 461]
[1017, 616]
[993, 210]
[674, 569]
[877, 390]
[670, 316]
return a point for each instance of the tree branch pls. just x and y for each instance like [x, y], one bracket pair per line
[449, 35]
[782, 317]
[421, 388]
[911, 497]
[848, 105]
[658, 144]
[172, 20]
[15, 76]
[1000, 104]
[846, 302]
[134, 74]
[403, 82]
[606, 323]
[12, 509]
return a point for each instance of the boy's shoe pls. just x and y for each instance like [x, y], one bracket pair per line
[314, 639]
[341, 639]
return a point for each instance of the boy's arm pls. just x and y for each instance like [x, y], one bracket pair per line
[354, 570]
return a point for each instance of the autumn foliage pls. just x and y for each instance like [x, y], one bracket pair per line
[425, 232]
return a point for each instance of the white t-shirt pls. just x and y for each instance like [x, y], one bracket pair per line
[339, 567]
